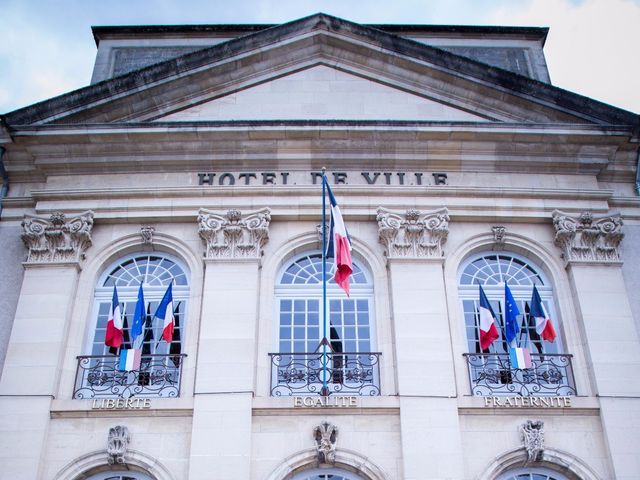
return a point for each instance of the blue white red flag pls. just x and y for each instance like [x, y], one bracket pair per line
[339, 245]
[139, 318]
[129, 359]
[544, 327]
[511, 326]
[113, 335]
[165, 313]
[520, 358]
[488, 330]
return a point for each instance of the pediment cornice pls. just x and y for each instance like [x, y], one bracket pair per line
[457, 81]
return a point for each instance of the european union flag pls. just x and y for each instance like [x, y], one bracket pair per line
[139, 318]
[511, 326]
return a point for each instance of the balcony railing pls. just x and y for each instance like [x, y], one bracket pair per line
[346, 373]
[492, 374]
[98, 376]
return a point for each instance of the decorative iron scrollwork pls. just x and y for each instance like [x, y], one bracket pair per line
[304, 373]
[98, 376]
[492, 374]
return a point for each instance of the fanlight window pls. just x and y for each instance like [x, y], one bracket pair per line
[532, 474]
[326, 474]
[492, 271]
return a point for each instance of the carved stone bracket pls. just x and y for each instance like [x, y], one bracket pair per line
[234, 235]
[58, 239]
[533, 439]
[413, 234]
[117, 444]
[586, 238]
[326, 435]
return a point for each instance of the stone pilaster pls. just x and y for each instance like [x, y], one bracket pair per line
[225, 377]
[590, 247]
[414, 243]
[56, 245]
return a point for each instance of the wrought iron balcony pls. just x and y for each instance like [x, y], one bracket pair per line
[491, 374]
[346, 373]
[97, 376]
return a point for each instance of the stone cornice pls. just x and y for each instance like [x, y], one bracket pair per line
[413, 234]
[586, 238]
[58, 239]
[234, 235]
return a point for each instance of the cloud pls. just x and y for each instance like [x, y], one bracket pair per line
[592, 47]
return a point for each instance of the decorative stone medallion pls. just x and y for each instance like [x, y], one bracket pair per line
[326, 436]
[117, 444]
[533, 439]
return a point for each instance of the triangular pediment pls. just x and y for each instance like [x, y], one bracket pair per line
[390, 78]
[322, 93]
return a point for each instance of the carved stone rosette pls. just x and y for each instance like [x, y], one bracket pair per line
[234, 235]
[117, 444]
[413, 234]
[586, 238]
[533, 439]
[57, 239]
[326, 435]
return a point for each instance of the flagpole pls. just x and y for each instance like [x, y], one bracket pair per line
[325, 388]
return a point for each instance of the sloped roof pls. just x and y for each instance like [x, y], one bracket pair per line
[76, 106]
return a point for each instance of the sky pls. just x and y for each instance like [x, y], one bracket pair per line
[47, 48]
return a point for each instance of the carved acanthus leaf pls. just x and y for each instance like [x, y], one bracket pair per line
[413, 234]
[57, 239]
[234, 235]
[117, 444]
[587, 238]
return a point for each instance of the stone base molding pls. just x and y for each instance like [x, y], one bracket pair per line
[57, 239]
[562, 462]
[588, 238]
[413, 234]
[95, 462]
[234, 234]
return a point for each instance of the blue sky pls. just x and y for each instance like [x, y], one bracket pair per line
[46, 46]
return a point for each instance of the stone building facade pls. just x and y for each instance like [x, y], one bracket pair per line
[194, 158]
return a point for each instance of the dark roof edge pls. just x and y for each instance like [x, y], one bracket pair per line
[245, 28]
[445, 60]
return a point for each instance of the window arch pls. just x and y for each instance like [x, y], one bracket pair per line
[492, 270]
[350, 329]
[532, 474]
[158, 371]
[129, 475]
[326, 474]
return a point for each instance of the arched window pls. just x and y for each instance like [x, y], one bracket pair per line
[129, 475]
[492, 271]
[300, 329]
[529, 365]
[100, 373]
[532, 474]
[154, 272]
[326, 474]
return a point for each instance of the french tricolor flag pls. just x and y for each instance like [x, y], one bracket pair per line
[114, 333]
[339, 245]
[544, 327]
[488, 330]
[165, 313]
[130, 359]
[520, 358]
